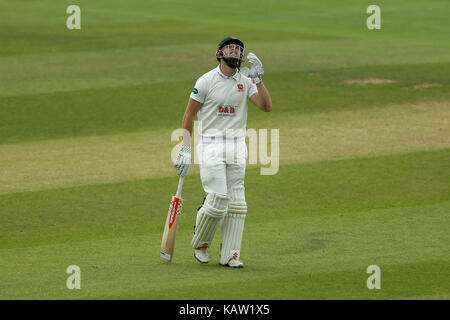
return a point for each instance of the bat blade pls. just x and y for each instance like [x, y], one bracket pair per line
[170, 229]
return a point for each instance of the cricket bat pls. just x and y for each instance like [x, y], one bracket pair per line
[170, 229]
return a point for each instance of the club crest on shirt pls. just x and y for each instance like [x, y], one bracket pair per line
[226, 110]
[240, 87]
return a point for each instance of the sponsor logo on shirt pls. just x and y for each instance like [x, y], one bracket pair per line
[226, 111]
[194, 91]
[240, 87]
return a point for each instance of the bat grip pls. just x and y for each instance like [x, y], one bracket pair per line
[180, 186]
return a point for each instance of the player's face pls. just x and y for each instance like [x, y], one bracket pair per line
[232, 51]
[233, 55]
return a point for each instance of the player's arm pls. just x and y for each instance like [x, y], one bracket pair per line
[183, 160]
[259, 95]
[192, 108]
[262, 98]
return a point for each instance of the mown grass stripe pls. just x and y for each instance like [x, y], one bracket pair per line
[136, 207]
[148, 107]
[323, 136]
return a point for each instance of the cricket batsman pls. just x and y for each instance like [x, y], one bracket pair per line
[219, 99]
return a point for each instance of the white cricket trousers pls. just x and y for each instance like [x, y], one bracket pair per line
[222, 164]
[222, 171]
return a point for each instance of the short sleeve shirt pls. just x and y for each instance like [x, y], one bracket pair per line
[224, 99]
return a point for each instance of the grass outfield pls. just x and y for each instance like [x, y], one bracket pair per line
[85, 171]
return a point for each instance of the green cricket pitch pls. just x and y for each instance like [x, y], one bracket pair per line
[86, 178]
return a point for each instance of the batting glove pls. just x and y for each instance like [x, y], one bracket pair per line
[257, 68]
[183, 161]
[251, 73]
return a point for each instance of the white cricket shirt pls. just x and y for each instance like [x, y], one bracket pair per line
[224, 110]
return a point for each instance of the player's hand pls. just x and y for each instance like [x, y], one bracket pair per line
[183, 161]
[256, 64]
[256, 71]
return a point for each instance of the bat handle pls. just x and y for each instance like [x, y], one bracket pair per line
[180, 186]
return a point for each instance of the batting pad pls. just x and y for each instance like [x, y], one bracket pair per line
[233, 226]
[237, 202]
[208, 219]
